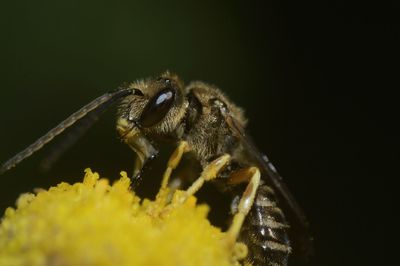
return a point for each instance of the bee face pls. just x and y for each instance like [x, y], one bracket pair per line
[155, 108]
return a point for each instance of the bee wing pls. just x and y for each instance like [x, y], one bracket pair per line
[302, 239]
[97, 106]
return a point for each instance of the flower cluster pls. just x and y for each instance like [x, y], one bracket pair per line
[95, 223]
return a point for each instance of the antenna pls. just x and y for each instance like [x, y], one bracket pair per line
[97, 105]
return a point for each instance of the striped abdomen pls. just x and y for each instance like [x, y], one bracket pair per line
[265, 231]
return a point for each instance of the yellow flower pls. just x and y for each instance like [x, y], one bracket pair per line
[95, 223]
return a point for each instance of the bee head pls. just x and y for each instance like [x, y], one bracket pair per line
[156, 105]
[155, 108]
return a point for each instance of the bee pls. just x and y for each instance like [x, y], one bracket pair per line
[199, 119]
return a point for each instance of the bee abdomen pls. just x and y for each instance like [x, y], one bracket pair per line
[265, 231]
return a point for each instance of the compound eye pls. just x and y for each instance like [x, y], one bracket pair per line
[157, 108]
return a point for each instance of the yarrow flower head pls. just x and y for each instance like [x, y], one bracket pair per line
[95, 223]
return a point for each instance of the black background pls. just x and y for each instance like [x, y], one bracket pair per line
[317, 81]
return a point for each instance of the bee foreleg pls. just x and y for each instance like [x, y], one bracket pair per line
[210, 172]
[173, 161]
[245, 203]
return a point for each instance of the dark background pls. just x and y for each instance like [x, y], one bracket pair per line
[317, 81]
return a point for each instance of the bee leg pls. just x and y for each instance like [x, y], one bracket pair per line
[209, 172]
[165, 193]
[252, 174]
[137, 168]
[174, 161]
